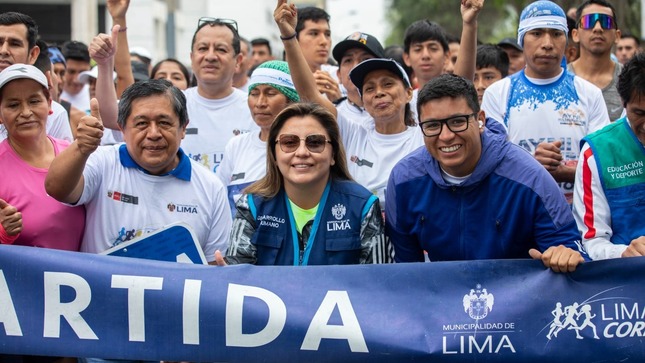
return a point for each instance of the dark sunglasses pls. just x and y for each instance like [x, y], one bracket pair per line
[589, 21]
[207, 20]
[314, 143]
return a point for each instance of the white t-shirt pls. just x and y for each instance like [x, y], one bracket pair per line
[212, 123]
[565, 108]
[124, 202]
[80, 100]
[371, 156]
[57, 124]
[333, 72]
[413, 105]
[355, 114]
[244, 163]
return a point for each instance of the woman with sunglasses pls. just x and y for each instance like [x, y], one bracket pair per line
[244, 162]
[306, 210]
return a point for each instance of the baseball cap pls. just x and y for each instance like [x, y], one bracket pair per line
[358, 73]
[142, 53]
[84, 77]
[510, 42]
[19, 71]
[139, 71]
[358, 40]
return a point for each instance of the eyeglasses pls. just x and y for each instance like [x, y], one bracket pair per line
[314, 143]
[589, 21]
[455, 124]
[207, 20]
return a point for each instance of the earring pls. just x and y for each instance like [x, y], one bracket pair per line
[51, 112]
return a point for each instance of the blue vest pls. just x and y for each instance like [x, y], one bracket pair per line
[620, 158]
[335, 236]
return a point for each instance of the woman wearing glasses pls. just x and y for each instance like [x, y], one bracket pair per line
[306, 210]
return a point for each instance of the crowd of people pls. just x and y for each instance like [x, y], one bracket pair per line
[438, 149]
[435, 150]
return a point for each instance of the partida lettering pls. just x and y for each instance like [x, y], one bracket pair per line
[56, 309]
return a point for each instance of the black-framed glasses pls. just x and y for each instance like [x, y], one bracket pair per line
[457, 123]
[209, 20]
[314, 143]
[589, 21]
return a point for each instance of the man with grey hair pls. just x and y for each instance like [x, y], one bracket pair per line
[145, 184]
[545, 109]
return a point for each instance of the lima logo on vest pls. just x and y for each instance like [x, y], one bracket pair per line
[338, 211]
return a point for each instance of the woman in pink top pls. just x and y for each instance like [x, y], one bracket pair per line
[28, 216]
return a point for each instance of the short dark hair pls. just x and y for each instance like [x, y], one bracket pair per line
[236, 35]
[12, 17]
[43, 62]
[182, 68]
[261, 41]
[491, 55]
[310, 13]
[602, 3]
[152, 87]
[424, 30]
[451, 38]
[76, 50]
[631, 81]
[248, 45]
[631, 36]
[448, 85]
[396, 52]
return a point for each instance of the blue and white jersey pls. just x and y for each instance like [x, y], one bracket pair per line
[565, 108]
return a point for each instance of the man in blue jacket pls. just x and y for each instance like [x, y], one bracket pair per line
[469, 194]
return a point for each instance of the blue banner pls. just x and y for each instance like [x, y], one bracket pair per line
[60, 303]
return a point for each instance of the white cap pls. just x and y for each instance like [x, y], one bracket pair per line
[18, 71]
[141, 51]
[84, 77]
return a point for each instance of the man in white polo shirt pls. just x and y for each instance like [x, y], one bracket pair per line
[145, 184]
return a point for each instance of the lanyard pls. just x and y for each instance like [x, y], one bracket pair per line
[297, 260]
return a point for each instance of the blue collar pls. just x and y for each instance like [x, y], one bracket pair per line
[182, 171]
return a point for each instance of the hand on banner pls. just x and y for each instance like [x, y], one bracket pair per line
[635, 248]
[558, 258]
[10, 218]
[219, 259]
[90, 130]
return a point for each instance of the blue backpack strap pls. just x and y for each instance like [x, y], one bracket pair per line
[372, 199]
[252, 208]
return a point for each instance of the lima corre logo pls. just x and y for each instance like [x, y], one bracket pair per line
[573, 317]
[338, 211]
[478, 303]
